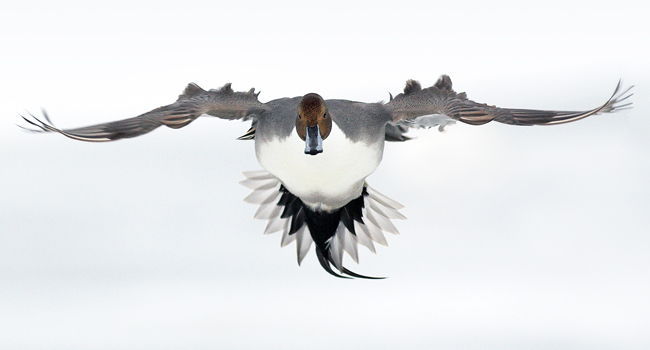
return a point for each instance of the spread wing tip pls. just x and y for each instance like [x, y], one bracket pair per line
[613, 104]
[35, 122]
[47, 126]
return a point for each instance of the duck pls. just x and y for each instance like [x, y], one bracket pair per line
[317, 153]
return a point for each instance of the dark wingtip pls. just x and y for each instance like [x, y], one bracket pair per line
[41, 127]
[46, 116]
[26, 129]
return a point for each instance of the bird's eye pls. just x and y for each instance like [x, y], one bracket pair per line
[325, 115]
[299, 116]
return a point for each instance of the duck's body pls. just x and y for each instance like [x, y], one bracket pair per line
[317, 154]
[333, 178]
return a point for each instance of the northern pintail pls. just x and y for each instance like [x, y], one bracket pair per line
[318, 153]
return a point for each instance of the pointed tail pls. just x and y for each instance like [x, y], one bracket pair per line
[362, 221]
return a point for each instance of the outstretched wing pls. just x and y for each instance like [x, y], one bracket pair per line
[193, 102]
[415, 107]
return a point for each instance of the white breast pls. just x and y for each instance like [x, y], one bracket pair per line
[328, 180]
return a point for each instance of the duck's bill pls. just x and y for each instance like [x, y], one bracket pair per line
[313, 141]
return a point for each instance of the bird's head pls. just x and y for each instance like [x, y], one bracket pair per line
[313, 123]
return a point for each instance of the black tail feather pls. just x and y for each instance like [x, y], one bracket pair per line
[334, 232]
[325, 263]
[354, 274]
[322, 227]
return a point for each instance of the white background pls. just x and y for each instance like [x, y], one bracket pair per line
[517, 237]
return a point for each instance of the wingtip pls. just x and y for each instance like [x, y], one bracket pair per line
[46, 116]
[34, 121]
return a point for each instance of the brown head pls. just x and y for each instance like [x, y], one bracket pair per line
[313, 123]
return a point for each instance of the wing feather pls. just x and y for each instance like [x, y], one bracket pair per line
[408, 108]
[223, 103]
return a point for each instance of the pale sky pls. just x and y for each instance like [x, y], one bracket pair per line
[516, 238]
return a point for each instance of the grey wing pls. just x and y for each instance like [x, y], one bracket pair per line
[416, 106]
[193, 102]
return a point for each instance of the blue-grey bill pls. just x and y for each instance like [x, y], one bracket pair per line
[313, 141]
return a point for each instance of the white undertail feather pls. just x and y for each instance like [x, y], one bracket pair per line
[336, 246]
[377, 213]
[286, 238]
[303, 243]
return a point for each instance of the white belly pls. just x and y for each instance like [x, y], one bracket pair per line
[325, 181]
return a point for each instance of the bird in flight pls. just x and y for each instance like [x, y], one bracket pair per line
[317, 153]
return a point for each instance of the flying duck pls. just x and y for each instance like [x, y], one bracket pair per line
[317, 154]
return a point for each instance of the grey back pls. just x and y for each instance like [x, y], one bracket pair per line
[357, 120]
